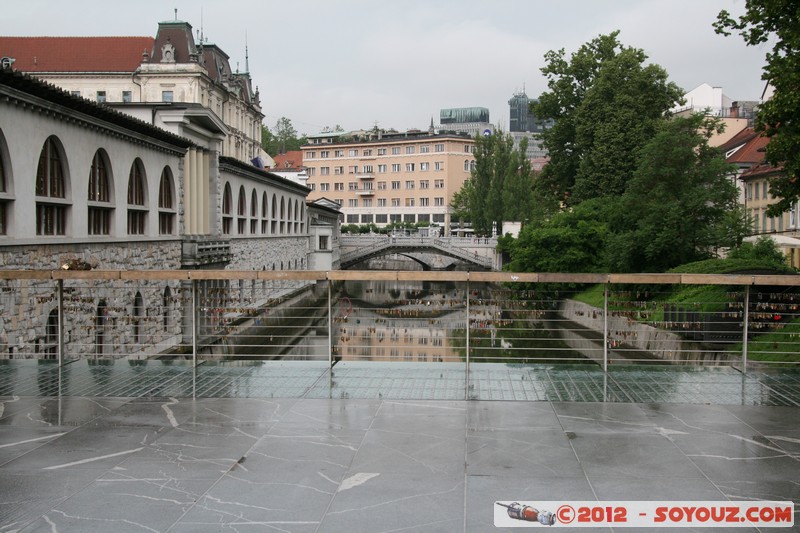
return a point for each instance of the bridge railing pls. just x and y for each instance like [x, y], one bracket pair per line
[421, 317]
[365, 247]
[462, 253]
[462, 248]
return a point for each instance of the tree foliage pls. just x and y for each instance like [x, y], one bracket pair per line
[606, 104]
[336, 129]
[779, 117]
[763, 249]
[676, 205]
[571, 241]
[499, 188]
[282, 138]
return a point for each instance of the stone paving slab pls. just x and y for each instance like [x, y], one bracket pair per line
[371, 465]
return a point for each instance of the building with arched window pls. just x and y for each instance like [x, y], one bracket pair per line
[97, 174]
[83, 184]
[147, 157]
[165, 80]
[183, 85]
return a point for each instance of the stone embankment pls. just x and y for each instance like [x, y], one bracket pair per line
[633, 340]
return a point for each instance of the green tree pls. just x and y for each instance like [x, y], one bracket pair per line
[570, 241]
[734, 227]
[461, 204]
[268, 140]
[517, 192]
[677, 201]
[282, 138]
[778, 117]
[606, 104]
[284, 133]
[335, 129]
[499, 187]
[763, 249]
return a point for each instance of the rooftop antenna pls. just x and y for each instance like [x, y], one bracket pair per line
[246, 54]
[176, 14]
[201, 25]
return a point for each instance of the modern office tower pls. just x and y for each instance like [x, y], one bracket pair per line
[471, 120]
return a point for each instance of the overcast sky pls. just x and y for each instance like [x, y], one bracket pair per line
[398, 62]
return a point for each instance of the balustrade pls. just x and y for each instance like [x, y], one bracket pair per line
[422, 317]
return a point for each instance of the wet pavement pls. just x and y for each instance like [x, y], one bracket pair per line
[358, 451]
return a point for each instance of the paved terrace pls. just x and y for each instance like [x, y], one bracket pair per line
[294, 446]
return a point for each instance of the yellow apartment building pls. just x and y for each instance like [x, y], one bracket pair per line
[783, 229]
[389, 177]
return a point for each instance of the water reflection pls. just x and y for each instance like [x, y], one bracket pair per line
[399, 321]
[427, 322]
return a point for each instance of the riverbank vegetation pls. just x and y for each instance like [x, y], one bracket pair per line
[779, 342]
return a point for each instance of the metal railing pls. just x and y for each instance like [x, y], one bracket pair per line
[421, 317]
[458, 247]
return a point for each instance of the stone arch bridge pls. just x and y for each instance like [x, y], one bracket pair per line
[479, 253]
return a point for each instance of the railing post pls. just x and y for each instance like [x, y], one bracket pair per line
[605, 327]
[60, 322]
[746, 327]
[330, 325]
[466, 373]
[195, 319]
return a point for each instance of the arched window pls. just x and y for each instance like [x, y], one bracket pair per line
[137, 199]
[136, 318]
[99, 196]
[253, 213]
[5, 189]
[227, 204]
[274, 215]
[166, 204]
[166, 307]
[466, 165]
[51, 336]
[3, 216]
[241, 212]
[302, 216]
[264, 216]
[296, 216]
[51, 191]
[289, 217]
[283, 217]
[100, 329]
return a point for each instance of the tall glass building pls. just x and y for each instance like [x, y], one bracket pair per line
[471, 120]
[521, 119]
[463, 115]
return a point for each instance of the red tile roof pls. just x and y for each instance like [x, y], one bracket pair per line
[761, 169]
[751, 149]
[293, 159]
[739, 139]
[76, 54]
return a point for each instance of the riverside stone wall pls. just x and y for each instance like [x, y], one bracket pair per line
[102, 318]
[626, 331]
[269, 253]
